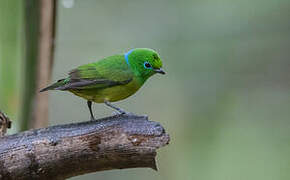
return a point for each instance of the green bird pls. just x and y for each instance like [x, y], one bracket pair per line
[111, 79]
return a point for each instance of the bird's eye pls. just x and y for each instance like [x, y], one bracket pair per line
[147, 65]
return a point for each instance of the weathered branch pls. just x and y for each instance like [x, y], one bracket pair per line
[64, 151]
[5, 124]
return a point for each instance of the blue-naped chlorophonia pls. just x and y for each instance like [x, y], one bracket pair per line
[112, 78]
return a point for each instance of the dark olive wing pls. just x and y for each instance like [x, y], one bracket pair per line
[98, 75]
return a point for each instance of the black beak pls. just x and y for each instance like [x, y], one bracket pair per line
[159, 71]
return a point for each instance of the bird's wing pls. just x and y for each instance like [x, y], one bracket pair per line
[98, 76]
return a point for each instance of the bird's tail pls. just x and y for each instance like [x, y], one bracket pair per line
[58, 84]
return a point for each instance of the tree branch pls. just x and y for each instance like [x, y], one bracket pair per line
[5, 124]
[63, 151]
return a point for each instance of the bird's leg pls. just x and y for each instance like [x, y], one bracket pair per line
[121, 111]
[90, 108]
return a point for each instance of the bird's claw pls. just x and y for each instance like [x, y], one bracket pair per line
[115, 113]
[123, 113]
[130, 114]
[93, 119]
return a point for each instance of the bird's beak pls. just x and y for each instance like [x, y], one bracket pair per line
[159, 71]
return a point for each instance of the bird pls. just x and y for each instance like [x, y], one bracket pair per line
[112, 78]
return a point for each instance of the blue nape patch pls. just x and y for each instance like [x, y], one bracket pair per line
[126, 56]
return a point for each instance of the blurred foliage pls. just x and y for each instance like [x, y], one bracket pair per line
[10, 58]
[31, 21]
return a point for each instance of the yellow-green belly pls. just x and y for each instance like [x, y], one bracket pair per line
[112, 94]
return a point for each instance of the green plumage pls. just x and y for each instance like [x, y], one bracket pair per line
[113, 78]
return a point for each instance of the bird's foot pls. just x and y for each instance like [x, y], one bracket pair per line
[119, 111]
[124, 113]
[93, 118]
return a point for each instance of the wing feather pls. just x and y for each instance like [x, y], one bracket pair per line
[102, 74]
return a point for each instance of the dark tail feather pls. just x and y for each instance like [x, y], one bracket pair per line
[59, 83]
[46, 89]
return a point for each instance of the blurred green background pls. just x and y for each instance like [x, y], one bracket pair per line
[225, 99]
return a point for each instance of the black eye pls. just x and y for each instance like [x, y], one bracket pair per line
[147, 65]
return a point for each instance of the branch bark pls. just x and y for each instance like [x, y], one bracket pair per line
[64, 151]
[5, 124]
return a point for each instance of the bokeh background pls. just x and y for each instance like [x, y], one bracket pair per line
[225, 99]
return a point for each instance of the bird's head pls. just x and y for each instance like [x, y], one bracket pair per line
[144, 62]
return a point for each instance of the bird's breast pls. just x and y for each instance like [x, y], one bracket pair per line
[118, 93]
[112, 94]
